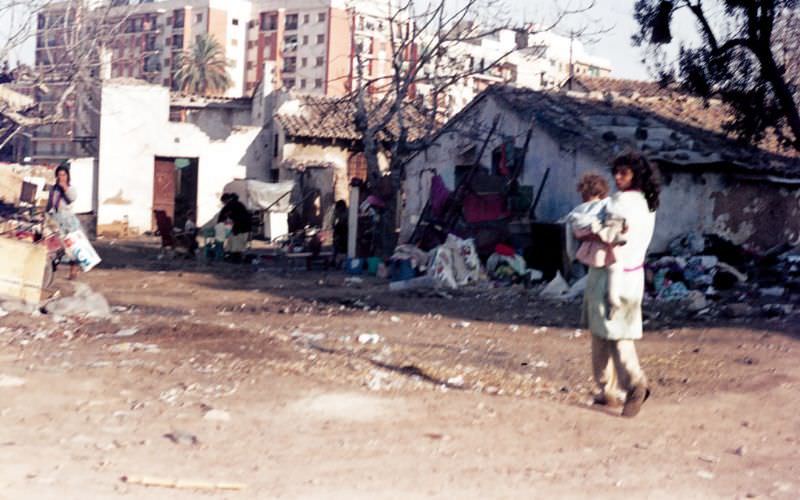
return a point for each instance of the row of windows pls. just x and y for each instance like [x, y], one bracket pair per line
[290, 63]
[270, 21]
[290, 83]
[290, 41]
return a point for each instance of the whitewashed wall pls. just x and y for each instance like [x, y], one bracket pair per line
[130, 139]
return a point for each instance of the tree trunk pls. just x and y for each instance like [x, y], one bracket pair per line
[771, 73]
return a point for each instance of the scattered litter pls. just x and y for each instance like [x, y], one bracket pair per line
[3, 313]
[83, 302]
[709, 459]
[456, 381]
[185, 484]
[10, 381]
[369, 338]
[181, 437]
[541, 364]
[394, 319]
[705, 474]
[513, 328]
[557, 288]
[127, 332]
[353, 281]
[540, 329]
[134, 347]
[460, 324]
[217, 416]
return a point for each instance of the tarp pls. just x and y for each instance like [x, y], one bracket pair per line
[258, 195]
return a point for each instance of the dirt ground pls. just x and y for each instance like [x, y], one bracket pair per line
[295, 385]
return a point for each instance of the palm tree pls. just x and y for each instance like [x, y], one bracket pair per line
[203, 70]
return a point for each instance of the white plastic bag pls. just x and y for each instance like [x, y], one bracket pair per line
[556, 289]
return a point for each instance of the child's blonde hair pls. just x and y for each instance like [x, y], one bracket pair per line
[592, 185]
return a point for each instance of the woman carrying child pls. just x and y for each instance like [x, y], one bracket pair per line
[614, 360]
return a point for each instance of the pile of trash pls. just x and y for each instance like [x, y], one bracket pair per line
[455, 264]
[706, 274]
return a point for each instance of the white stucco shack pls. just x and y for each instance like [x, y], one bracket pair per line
[711, 183]
[171, 152]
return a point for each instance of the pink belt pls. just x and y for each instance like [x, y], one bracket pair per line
[633, 269]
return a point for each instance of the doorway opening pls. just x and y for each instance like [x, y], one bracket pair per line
[175, 189]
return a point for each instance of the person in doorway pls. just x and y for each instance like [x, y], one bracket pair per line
[340, 228]
[616, 368]
[62, 195]
[234, 211]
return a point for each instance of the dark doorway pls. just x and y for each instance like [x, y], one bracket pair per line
[175, 189]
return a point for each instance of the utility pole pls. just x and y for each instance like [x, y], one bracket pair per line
[571, 65]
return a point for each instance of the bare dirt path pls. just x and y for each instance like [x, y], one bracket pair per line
[300, 387]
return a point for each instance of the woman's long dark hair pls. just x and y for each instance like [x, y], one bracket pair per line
[65, 168]
[645, 176]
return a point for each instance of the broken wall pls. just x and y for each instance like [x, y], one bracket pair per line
[130, 139]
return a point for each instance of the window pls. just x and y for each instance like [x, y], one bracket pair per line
[235, 22]
[177, 41]
[291, 22]
[249, 64]
[269, 21]
[320, 61]
[290, 64]
[303, 62]
[251, 44]
[306, 19]
[321, 17]
[302, 83]
[178, 18]
[150, 42]
[305, 39]
[288, 83]
[318, 83]
[234, 42]
[290, 43]
[320, 39]
[275, 146]
[198, 18]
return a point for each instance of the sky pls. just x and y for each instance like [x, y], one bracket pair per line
[616, 16]
[613, 15]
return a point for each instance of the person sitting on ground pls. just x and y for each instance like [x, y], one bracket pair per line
[62, 196]
[237, 213]
[599, 231]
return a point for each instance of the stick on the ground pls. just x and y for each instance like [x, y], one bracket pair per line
[185, 484]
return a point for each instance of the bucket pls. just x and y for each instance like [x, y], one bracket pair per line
[354, 266]
[372, 265]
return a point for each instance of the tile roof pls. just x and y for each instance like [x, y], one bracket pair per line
[314, 116]
[676, 129]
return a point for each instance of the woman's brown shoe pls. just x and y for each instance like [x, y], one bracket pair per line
[636, 398]
[608, 401]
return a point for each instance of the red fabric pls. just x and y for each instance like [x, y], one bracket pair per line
[504, 250]
[484, 208]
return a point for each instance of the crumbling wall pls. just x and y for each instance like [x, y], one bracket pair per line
[759, 214]
[755, 212]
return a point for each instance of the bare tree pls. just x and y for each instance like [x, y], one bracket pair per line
[73, 43]
[426, 44]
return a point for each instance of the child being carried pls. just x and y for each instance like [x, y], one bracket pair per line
[600, 232]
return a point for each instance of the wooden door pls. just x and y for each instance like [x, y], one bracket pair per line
[164, 188]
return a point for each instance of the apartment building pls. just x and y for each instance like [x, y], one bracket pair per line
[524, 58]
[309, 45]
